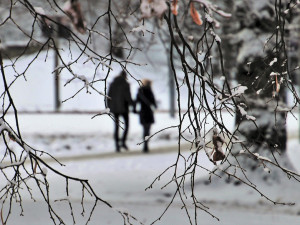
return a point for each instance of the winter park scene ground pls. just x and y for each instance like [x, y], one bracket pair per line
[84, 144]
[86, 148]
[225, 76]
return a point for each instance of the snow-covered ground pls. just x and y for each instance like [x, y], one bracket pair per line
[121, 179]
[86, 147]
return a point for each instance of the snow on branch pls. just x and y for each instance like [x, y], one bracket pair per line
[4, 127]
[153, 8]
[156, 8]
[244, 113]
[262, 157]
[212, 7]
[239, 91]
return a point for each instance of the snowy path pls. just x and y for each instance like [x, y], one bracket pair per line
[148, 212]
[86, 147]
[112, 154]
[122, 182]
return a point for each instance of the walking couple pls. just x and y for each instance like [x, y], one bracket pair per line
[119, 101]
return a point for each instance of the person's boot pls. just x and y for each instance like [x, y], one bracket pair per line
[117, 147]
[145, 149]
[124, 146]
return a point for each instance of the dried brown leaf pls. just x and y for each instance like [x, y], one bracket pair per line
[195, 15]
[174, 7]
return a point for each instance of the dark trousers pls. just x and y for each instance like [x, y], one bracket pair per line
[146, 128]
[117, 125]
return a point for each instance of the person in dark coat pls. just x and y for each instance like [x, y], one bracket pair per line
[146, 100]
[118, 103]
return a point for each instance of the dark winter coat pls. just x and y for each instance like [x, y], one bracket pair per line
[146, 99]
[120, 96]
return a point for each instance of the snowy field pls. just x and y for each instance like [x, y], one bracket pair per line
[86, 147]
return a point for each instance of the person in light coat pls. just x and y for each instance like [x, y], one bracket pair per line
[145, 98]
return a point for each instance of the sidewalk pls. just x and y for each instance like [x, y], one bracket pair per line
[74, 137]
[124, 153]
